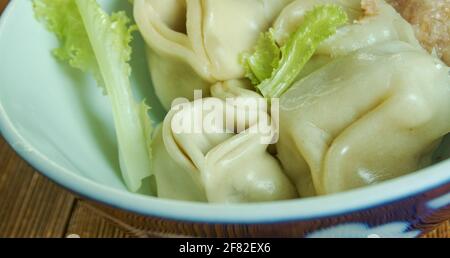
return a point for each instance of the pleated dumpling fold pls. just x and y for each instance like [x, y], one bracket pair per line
[195, 43]
[226, 162]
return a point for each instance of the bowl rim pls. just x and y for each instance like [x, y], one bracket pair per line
[373, 196]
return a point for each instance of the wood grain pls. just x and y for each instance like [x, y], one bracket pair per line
[32, 206]
[443, 231]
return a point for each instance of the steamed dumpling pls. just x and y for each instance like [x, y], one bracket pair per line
[375, 114]
[328, 143]
[195, 43]
[226, 164]
[371, 22]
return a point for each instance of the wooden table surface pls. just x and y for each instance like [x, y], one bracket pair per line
[32, 206]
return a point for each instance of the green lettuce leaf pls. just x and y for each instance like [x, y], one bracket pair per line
[260, 65]
[95, 42]
[318, 25]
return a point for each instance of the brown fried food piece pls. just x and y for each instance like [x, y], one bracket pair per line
[431, 22]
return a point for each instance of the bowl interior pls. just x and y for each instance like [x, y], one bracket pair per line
[58, 120]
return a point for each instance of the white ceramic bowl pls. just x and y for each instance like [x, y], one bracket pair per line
[58, 121]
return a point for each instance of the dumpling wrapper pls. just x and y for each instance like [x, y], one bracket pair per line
[195, 43]
[229, 165]
[373, 115]
[371, 22]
